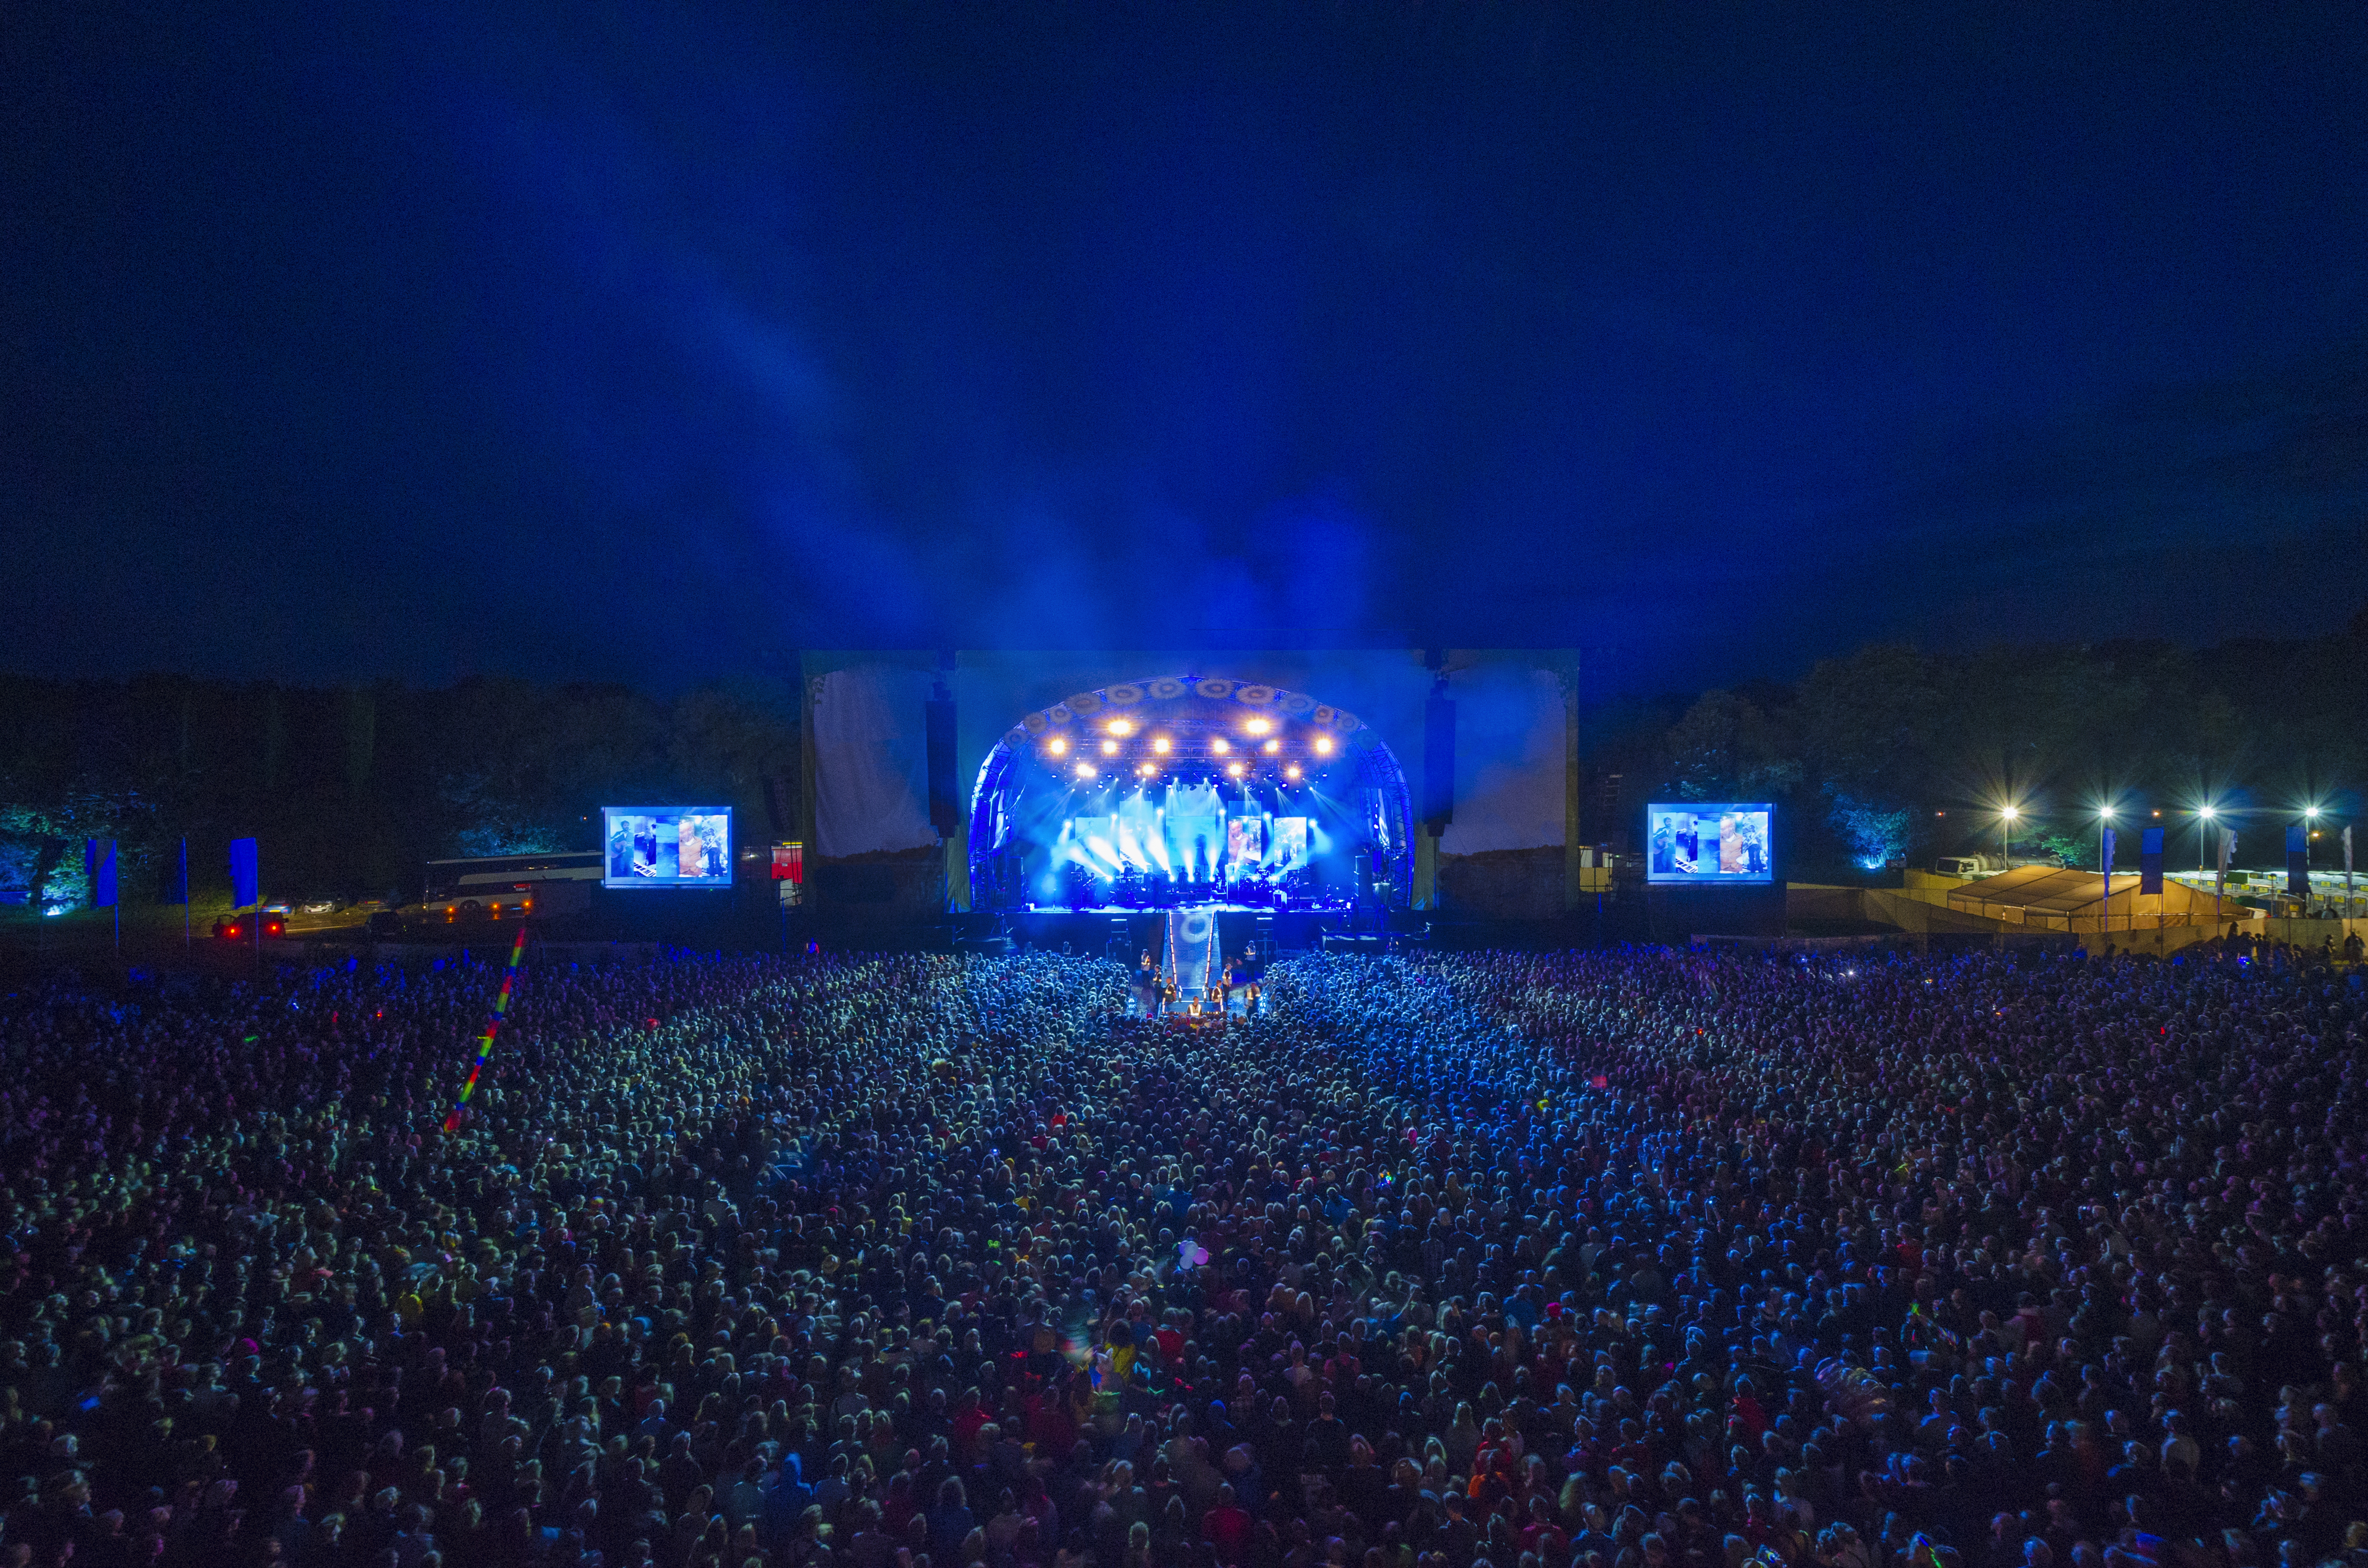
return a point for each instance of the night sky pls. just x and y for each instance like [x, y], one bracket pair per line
[640, 342]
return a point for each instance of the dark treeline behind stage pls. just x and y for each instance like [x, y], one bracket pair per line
[1892, 754]
[351, 789]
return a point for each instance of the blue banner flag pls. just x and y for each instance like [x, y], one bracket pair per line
[2298, 860]
[99, 861]
[245, 874]
[2109, 861]
[2150, 861]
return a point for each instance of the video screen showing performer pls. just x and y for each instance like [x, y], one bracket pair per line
[1711, 843]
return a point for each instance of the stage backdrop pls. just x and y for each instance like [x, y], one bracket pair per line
[1516, 790]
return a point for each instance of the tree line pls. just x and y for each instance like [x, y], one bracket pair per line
[1888, 754]
[352, 789]
[1892, 754]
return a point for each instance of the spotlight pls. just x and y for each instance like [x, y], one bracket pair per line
[1291, 772]
[1120, 727]
[1110, 748]
[1273, 746]
[1219, 745]
[1085, 770]
[1057, 746]
[1258, 726]
[1147, 770]
[1233, 770]
[1159, 745]
[1324, 745]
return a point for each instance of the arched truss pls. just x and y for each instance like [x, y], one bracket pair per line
[1174, 698]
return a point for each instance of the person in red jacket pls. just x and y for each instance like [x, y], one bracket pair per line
[1228, 1526]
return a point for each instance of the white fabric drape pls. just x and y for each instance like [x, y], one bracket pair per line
[871, 761]
[1510, 736]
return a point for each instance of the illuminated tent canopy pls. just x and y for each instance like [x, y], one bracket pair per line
[2046, 899]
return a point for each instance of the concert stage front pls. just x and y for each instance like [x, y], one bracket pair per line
[1189, 791]
[1041, 786]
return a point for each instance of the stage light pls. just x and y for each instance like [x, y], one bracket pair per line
[1057, 746]
[1219, 745]
[1291, 772]
[1120, 727]
[1085, 770]
[1147, 770]
[1324, 745]
[1159, 745]
[1110, 748]
[1258, 726]
[1233, 770]
[1273, 746]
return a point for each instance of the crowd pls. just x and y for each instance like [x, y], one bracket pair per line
[1625, 1258]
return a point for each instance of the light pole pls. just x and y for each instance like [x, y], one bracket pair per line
[2105, 870]
[2203, 815]
[2005, 829]
[2309, 831]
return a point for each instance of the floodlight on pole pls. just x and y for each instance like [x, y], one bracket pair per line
[2203, 815]
[2005, 828]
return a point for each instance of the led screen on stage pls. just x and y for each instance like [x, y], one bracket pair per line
[1245, 840]
[667, 847]
[1709, 844]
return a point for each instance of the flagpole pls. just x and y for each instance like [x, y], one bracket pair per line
[185, 889]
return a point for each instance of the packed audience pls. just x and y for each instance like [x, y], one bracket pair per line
[1625, 1258]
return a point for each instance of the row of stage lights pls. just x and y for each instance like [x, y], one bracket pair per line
[1260, 730]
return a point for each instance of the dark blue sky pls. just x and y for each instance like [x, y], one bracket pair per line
[633, 342]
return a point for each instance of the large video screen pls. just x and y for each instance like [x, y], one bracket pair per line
[667, 847]
[1709, 844]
